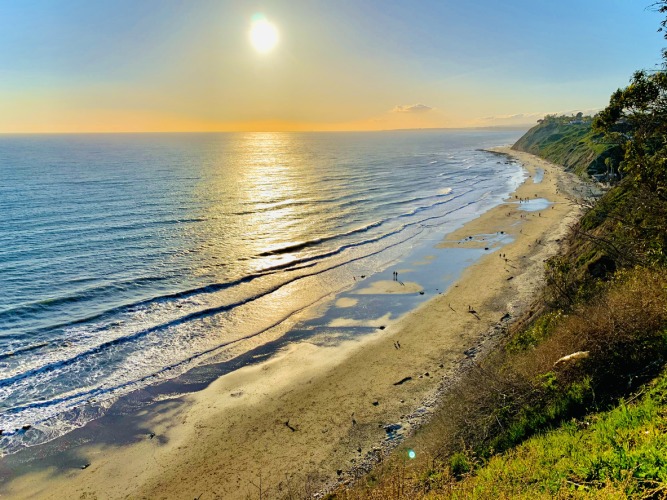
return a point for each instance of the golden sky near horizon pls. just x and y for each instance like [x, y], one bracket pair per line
[122, 66]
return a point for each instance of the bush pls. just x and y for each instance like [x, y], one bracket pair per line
[460, 465]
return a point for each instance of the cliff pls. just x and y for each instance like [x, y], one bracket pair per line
[570, 142]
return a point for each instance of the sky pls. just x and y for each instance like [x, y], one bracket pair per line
[188, 65]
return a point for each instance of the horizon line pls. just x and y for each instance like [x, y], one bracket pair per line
[478, 127]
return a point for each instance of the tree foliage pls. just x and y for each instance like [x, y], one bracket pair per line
[636, 119]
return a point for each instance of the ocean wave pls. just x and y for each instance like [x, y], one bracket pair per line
[28, 309]
[211, 311]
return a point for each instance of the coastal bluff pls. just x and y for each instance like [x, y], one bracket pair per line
[570, 141]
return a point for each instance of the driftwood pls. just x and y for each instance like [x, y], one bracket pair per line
[289, 426]
[572, 357]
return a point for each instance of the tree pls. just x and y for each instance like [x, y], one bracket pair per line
[636, 120]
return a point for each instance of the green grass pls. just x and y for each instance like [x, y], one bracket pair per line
[618, 452]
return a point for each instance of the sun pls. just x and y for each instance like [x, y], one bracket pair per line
[263, 34]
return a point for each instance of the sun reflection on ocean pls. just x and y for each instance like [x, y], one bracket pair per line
[259, 203]
[271, 192]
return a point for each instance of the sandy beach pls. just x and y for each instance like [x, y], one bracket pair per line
[310, 414]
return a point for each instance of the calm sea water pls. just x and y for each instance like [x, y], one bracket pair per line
[126, 259]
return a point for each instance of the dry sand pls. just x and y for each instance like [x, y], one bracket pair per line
[296, 420]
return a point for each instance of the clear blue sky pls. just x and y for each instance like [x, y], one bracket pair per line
[188, 65]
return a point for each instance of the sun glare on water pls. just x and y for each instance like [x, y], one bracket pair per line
[263, 34]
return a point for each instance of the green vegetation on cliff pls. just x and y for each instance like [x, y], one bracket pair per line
[620, 453]
[571, 141]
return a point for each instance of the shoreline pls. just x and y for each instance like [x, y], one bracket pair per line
[325, 404]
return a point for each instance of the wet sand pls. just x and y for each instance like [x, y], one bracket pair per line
[310, 414]
[387, 286]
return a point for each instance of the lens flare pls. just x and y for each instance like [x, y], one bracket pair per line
[411, 454]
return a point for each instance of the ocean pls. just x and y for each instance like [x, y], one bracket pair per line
[129, 259]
